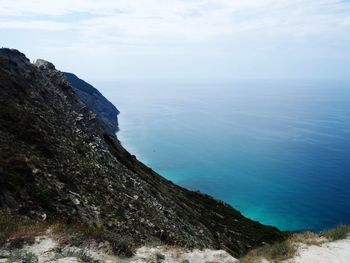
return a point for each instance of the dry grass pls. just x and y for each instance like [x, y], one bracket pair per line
[274, 253]
[287, 249]
[15, 231]
[176, 251]
[337, 233]
[308, 238]
[82, 234]
[281, 251]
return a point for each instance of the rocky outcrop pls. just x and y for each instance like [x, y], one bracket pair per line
[60, 160]
[104, 109]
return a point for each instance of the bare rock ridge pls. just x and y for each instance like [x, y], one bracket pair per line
[95, 100]
[60, 160]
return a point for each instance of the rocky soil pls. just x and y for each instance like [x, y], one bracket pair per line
[49, 249]
[52, 246]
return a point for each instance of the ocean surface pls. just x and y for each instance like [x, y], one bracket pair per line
[278, 151]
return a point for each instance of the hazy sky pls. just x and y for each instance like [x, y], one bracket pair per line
[190, 39]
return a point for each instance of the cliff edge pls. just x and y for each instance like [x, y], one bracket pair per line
[105, 110]
[60, 160]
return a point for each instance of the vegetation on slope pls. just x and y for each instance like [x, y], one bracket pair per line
[287, 249]
[17, 231]
[60, 161]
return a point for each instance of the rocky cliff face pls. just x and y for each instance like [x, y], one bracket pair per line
[104, 109]
[60, 160]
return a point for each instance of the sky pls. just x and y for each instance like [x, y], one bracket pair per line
[183, 39]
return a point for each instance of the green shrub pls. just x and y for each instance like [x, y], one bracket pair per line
[275, 253]
[77, 253]
[337, 233]
[19, 256]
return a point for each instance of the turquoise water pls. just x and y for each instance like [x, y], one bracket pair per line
[277, 151]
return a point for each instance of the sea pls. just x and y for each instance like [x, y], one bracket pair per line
[278, 151]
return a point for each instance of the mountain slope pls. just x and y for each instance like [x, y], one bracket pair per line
[59, 160]
[95, 100]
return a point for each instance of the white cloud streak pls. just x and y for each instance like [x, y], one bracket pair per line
[178, 19]
[132, 32]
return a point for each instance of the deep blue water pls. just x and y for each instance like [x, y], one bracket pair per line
[277, 151]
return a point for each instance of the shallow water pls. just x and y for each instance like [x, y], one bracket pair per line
[277, 151]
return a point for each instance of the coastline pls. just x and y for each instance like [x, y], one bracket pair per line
[261, 161]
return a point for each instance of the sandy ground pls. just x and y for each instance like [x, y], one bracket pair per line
[178, 255]
[48, 250]
[331, 252]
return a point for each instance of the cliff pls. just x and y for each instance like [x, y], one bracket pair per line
[60, 160]
[104, 109]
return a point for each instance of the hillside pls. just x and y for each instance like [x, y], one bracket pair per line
[59, 161]
[95, 101]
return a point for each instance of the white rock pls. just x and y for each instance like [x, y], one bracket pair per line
[331, 252]
[175, 255]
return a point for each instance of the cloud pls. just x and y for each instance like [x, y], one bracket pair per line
[180, 19]
[140, 30]
[35, 25]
